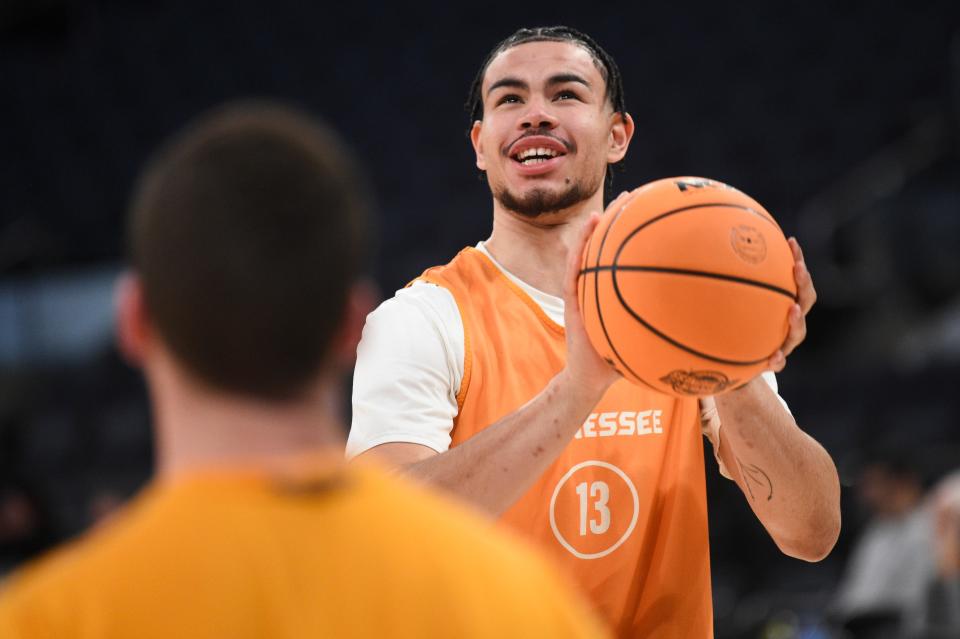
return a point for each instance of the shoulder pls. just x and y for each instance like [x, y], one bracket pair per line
[28, 597]
[419, 323]
[419, 302]
[468, 274]
[415, 515]
[59, 588]
[488, 568]
[466, 545]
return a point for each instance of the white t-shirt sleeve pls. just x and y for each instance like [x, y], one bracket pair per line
[408, 372]
[710, 420]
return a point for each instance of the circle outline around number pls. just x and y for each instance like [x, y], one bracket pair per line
[623, 538]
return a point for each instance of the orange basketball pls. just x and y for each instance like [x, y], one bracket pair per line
[686, 288]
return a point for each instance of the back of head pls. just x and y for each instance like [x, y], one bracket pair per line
[247, 231]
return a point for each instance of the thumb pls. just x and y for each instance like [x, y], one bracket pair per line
[574, 264]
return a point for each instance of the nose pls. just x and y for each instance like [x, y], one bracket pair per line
[537, 117]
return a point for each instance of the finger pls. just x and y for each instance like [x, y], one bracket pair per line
[618, 202]
[806, 293]
[795, 249]
[777, 362]
[575, 259]
[797, 330]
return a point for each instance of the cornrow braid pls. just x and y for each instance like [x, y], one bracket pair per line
[603, 60]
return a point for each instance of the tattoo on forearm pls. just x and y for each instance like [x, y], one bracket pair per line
[755, 476]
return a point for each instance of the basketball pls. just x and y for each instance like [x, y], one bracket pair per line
[687, 286]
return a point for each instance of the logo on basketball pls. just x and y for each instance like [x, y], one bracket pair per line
[748, 243]
[698, 383]
[691, 184]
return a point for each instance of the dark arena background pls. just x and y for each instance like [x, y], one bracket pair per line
[841, 118]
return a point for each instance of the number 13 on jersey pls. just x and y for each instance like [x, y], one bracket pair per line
[600, 492]
[594, 509]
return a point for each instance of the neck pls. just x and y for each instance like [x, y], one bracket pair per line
[200, 428]
[536, 249]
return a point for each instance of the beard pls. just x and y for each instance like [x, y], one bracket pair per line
[539, 201]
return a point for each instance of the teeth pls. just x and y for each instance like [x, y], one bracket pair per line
[526, 153]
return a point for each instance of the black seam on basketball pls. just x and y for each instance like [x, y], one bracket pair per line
[667, 338]
[584, 260]
[596, 287]
[596, 292]
[693, 273]
[703, 205]
[647, 325]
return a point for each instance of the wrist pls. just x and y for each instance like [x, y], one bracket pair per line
[738, 394]
[747, 394]
[583, 392]
[749, 386]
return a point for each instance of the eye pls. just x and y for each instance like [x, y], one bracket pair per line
[508, 98]
[566, 94]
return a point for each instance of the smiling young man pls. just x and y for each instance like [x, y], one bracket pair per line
[479, 378]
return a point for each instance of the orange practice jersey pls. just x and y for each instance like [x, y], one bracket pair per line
[243, 556]
[624, 508]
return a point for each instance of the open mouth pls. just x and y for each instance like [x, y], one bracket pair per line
[533, 156]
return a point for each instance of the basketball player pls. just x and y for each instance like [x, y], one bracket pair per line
[247, 237]
[479, 377]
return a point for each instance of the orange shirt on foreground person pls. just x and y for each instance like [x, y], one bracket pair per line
[331, 552]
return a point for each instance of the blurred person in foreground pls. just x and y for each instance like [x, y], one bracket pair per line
[248, 233]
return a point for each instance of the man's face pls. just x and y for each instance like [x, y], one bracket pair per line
[548, 130]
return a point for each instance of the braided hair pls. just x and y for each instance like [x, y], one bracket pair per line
[603, 60]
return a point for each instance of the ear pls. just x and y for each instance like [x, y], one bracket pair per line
[133, 330]
[361, 300]
[475, 140]
[621, 132]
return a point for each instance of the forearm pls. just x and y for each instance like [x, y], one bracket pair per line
[498, 465]
[789, 480]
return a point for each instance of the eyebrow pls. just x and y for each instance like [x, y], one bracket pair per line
[508, 82]
[564, 78]
[516, 83]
